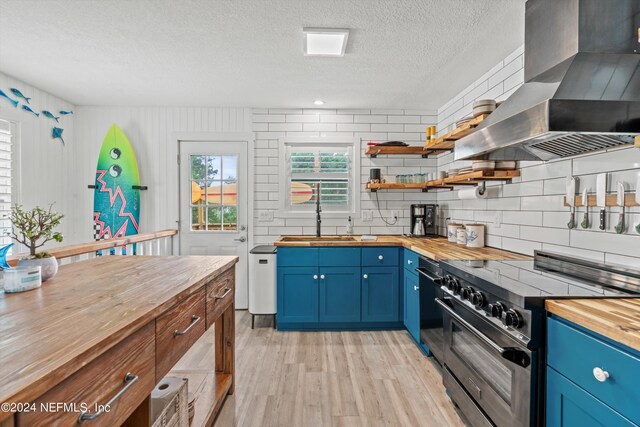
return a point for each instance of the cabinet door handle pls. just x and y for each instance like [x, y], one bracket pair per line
[322, 276]
[600, 374]
[409, 262]
[129, 380]
[194, 319]
[415, 288]
[315, 277]
[365, 276]
[226, 292]
[380, 257]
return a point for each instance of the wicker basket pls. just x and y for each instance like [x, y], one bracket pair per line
[175, 412]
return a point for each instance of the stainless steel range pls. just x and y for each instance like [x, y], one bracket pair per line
[493, 329]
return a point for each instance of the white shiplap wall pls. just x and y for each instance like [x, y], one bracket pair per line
[152, 132]
[531, 208]
[272, 125]
[45, 166]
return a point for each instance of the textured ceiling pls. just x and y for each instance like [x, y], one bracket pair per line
[401, 53]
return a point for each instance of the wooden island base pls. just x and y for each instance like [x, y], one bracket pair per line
[108, 330]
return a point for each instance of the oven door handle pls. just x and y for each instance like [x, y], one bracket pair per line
[512, 354]
[435, 279]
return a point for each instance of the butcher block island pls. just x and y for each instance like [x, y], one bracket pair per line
[108, 330]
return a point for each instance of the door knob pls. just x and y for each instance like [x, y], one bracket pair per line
[380, 257]
[241, 239]
[322, 276]
[409, 262]
[365, 276]
[315, 277]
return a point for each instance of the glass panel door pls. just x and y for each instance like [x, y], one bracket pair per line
[214, 192]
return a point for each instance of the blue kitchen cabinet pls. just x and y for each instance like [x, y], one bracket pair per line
[297, 295]
[569, 405]
[339, 294]
[412, 304]
[591, 380]
[380, 294]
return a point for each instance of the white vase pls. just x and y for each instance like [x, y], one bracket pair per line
[49, 266]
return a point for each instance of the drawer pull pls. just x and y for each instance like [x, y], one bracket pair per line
[224, 294]
[194, 319]
[129, 380]
[600, 374]
[365, 276]
[380, 257]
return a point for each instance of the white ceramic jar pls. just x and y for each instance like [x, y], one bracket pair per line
[461, 236]
[475, 235]
[452, 232]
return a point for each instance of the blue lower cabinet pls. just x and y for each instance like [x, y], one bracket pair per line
[412, 305]
[569, 405]
[339, 294]
[297, 295]
[606, 370]
[380, 294]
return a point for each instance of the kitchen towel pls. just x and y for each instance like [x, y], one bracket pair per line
[473, 193]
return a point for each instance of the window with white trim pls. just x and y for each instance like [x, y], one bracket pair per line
[5, 181]
[322, 169]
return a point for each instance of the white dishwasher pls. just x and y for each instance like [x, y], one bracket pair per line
[262, 282]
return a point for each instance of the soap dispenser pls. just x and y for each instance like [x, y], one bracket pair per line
[349, 226]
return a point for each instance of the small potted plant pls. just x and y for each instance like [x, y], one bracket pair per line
[33, 228]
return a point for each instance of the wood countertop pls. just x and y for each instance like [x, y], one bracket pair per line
[49, 333]
[615, 318]
[437, 248]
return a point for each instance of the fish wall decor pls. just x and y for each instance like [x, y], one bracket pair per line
[29, 110]
[65, 113]
[56, 133]
[19, 94]
[12, 101]
[51, 116]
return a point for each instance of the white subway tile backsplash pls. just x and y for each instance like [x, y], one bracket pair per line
[358, 118]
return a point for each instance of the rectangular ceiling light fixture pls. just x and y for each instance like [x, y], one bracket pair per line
[325, 41]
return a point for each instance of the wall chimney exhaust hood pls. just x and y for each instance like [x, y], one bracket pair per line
[582, 85]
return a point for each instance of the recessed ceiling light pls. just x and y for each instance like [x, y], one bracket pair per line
[325, 41]
[318, 102]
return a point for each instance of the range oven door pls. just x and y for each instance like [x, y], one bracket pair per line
[431, 331]
[492, 371]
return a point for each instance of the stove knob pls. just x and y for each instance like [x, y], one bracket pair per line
[466, 293]
[496, 309]
[512, 318]
[452, 284]
[478, 300]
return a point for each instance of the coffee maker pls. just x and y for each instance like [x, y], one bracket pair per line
[424, 221]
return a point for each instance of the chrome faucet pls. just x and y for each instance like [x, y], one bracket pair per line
[318, 210]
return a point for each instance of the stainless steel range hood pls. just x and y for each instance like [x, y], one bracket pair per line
[582, 85]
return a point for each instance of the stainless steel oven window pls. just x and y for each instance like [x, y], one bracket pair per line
[482, 361]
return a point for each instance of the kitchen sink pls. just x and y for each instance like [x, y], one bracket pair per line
[317, 239]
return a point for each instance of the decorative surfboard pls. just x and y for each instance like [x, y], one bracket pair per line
[116, 200]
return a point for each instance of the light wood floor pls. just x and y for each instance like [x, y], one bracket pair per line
[321, 379]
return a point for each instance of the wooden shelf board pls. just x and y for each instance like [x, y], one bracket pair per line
[629, 200]
[478, 176]
[447, 142]
[378, 150]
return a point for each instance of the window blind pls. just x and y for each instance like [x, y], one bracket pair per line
[327, 168]
[5, 181]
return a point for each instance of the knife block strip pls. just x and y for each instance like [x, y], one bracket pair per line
[629, 200]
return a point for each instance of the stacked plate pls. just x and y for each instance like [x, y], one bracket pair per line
[484, 106]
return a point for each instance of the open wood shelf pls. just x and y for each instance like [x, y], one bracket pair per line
[612, 200]
[471, 178]
[376, 150]
[447, 142]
